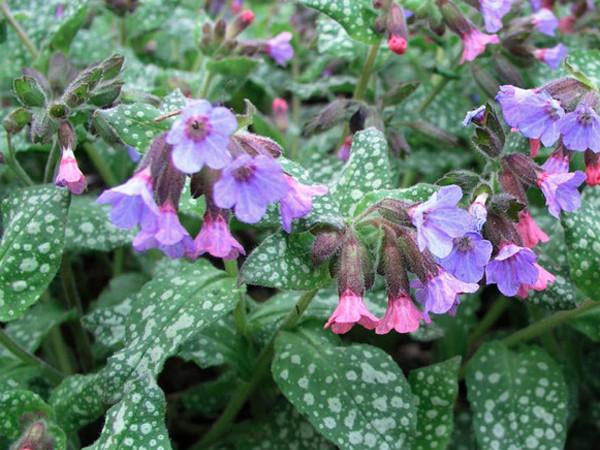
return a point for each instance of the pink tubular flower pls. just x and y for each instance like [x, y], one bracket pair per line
[475, 42]
[543, 279]
[279, 48]
[401, 315]
[298, 201]
[592, 168]
[69, 175]
[529, 230]
[397, 44]
[534, 147]
[552, 56]
[216, 239]
[351, 310]
[344, 151]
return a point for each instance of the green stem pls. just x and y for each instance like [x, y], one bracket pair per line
[243, 391]
[123, 30]
[206, 85]
[13, 162]
[13, 347]
[549, 323]
[103, 168]
[296, 104]
[51, 161]
[489, 319]
[439, 87]
[365, 76]
[20, 31]
[82, 340]
[118, 261]
[60, 351]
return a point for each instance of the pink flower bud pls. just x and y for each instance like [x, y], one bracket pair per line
[69, 175]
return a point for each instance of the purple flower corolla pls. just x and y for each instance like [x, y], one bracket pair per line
[279, 48]
[468, 258]
[474, 42]
[132, 202]
[134, 155]
[249, 185]
[581, 129]
[560, 191]
[441, 292]
[545, 21]
[200, 136]
[439, 221]
[298, 201]
[557, 162]
[475, 116]
[166, 234]
[540, 115]
[552, 56]
[216, 239]
[510, 99]
[493, 11]
[512, 267]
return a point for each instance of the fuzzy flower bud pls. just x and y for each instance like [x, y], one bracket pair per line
[280, 113]
[592, 168]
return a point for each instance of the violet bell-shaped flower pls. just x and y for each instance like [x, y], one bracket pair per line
[298, 201]
[512, 267]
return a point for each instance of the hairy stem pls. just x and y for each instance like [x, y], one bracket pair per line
[14, 163]
[365, 76]
[51, 161]
[243, 391]
[488, 320]
[13, 347]
[33, 51]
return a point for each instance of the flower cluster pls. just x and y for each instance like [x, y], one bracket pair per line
[235, 171]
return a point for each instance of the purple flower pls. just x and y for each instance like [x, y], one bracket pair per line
[279, 48]
[560, 190]
[298, 201]
[200, 136]
[249, 185]
[166, 233]
[581, 129]
[441, 292]
[468, 258]
[134, 155]
[545, 21]
[216, 239]
[474, 42]
[344, 151]
[553, 56]
[493, 11]
[540, 116]
[512, 267]
[510, 99]
[439, 221]
[557, 162]
[474, 116]
[132, 202]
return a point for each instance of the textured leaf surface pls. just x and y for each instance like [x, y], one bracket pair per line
[587, 63]
[417, 193]
[582, 235]
[519, 399]
[355, 396]
[137, 421]
[89, 227]
[356, 16]
[14, 404]
[368, 169]
[435, 388]
[282, 261]
[34, 221]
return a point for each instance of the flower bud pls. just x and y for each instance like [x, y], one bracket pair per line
[567, 91]
[254, 145]
[337, 111]
[513, 186]
[592, 168]
[489, 136]
[420, 263]
[454, 18]
[16, 120]
[66, 135]
[351, 275]
[111, 67]
[522, 167]
[219, 31]
[239, 24]
[397, 30]
[394, 266]
[326, 244]
[280, 113]
[42, 128]
[499, 228]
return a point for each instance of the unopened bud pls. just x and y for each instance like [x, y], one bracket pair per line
[454, 18]
[396, 29]
[325, 246]
[513, 186]
[351, 275]
[239, 24]
[219, 31]
[280, 113]
[394, 266]
[592, 168]
[499, 229]
[522, 167]
[254, 145]
[16, 120]
[66, 135]
[337, 111]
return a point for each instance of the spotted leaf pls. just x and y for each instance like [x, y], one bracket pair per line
[34, 222]
[368, 169]
[436, 389]
[356, 16]
[585, 66]
[282, 261]
[582, 235]
[356, 396]
[417, 193]
[137, 421]
[519, 398]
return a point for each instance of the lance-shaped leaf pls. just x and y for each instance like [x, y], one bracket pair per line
[138, 420]
[368, 169]
[355, 396]
[519, 398]
[436, 388]
[34, 222]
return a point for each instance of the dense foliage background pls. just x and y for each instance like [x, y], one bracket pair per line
[104, 347]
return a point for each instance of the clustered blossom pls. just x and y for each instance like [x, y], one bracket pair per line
[238, 173]
[493, 11]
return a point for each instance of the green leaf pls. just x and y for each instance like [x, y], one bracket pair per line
[282, 261]
[333, 41]
[209, 398]
[34, 221]
[368, 169]
[436, 389]
[30, 330]
[356, 16]
[417, 193]
[138, 420]
[355, 396]
[28, 91]
[584, 65]
[588, 323]
[582, 235]
[150, 15]
[232, 67]
[334, 84]
[65, 29]
[89, 227]
[519, 398]
[14, 374]
[15, 406]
